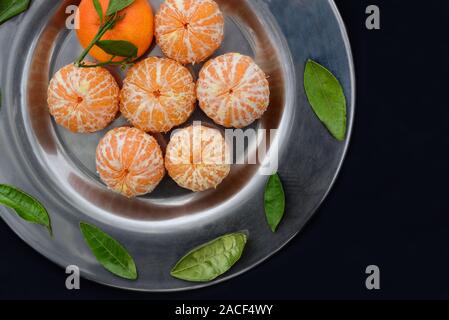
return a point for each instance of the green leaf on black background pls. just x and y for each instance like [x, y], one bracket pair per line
[118, 48]
[117, 5]
[274, 200]
[327, 98]
[28, 208]
[212, 259]
[109, 252]
[11, 8]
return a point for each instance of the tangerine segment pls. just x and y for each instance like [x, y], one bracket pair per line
[197, 158]
[130, 161]
[189, 31]
[158, 94]
[83, 100]
[136, 26]
[233, 90]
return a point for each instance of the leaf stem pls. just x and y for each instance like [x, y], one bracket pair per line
[109, 62]
[109, 24]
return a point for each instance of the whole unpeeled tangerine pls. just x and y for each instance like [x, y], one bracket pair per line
[135, 26]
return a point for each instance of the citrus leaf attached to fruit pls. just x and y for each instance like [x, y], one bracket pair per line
[212, 259]
[327, 98]
[109, 253]
[28, 208]
[11, 8]
[118, 48]
[117, 5]
[99, 10]
[274, 202]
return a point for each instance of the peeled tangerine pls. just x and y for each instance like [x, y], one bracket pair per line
[158, 94]
[83, 100]
[130, 161]
[233, 90]
[189, 31]
[197, 158]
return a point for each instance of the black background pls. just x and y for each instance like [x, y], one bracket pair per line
[389, 206]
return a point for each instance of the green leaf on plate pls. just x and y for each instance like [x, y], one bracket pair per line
[327, 98]
[28, 208]
[274, 200]
[109, 252]
[11, 8]
[118, 48]
[212, 259]
[99, 9]
[117, 5]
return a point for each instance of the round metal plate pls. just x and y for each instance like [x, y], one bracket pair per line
[58, 167]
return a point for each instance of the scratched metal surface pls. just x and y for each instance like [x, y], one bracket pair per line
[59, 167]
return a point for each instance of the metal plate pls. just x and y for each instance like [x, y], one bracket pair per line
[59, 167]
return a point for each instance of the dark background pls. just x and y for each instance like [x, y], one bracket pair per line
[389, 207]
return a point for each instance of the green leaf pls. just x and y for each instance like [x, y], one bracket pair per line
[212, 259]
[99, 9]
[28, 208]
[327, 98]
[274, 199]
[117, 5]
[11, 8]
[118, 48]
[109, 253]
